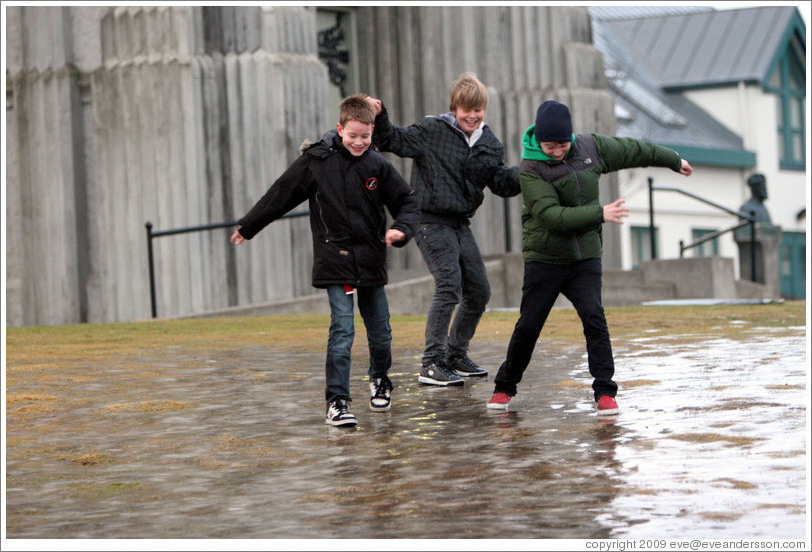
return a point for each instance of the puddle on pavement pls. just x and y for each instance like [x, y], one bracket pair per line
[710, 443]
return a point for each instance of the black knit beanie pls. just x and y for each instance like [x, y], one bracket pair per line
[553, 122]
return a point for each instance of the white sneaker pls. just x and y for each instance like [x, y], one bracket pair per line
[338, 414]
[380, 391]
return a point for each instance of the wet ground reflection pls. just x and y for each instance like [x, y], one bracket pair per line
[710, 443]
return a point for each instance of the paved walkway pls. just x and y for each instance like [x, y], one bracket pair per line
[710, 443]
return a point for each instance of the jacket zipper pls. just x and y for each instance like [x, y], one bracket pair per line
[580, 203]
[321, 217]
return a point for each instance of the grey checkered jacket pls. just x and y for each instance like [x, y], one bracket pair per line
[448, 175]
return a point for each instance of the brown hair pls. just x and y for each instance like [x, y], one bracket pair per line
[356, 108]
[469, 92]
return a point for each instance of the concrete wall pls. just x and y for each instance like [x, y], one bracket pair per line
[701, 280]
[183, 116]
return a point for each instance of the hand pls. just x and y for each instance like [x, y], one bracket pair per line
[393, 236]
[686, 168]
[615, 211]
[236, 238]
[376, 104]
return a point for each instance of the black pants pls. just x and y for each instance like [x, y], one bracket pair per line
[580, 282]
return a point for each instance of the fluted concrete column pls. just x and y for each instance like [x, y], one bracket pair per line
[46, 209]
[181, 116]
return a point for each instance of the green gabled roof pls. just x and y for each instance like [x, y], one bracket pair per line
[654, 54]
[715, 157]
[709, 49]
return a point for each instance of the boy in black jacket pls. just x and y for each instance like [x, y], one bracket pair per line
[347, 186]
[456, 156]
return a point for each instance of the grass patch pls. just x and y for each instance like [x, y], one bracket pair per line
[720, 516]
[54, 347]
[88, 459]
[149, 406]
[98, 490]
[731, 404]
[714, 437]
[17, 398]
[572, 384]
[640, 383]
[783, 386]
[737, 483]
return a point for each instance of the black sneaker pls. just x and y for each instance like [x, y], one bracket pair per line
[338, 414]
[438, 374]
[380, 398]
[464, 366]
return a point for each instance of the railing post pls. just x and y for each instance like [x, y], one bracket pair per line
[651, 218]
[681, 248]
[152, 300]
[508, 233]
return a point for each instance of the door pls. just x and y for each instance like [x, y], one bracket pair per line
[793, 265]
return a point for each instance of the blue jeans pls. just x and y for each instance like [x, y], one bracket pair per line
[374, 309]
[580, 282]
[454, 260]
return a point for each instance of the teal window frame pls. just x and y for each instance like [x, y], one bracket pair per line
[707, 249]
[641, 244]
[791, 108]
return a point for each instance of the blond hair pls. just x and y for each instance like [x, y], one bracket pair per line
[468, 92]
[356, 108]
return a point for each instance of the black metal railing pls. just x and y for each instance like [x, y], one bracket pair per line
[748, 220]
[161, 233]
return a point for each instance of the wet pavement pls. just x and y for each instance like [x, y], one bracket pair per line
[710, 442]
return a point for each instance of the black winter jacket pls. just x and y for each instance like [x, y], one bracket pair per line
[448, 175]
[347, 195]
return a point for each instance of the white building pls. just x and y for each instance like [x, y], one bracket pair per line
[727, 89]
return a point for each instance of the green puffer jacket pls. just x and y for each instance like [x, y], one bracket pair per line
[562, 215]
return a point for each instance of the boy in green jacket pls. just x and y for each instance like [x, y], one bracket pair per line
[561, 239]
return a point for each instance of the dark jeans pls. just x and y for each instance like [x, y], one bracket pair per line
[580, 282]
[454, 261]
[374, 309]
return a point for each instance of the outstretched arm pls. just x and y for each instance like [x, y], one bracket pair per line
[402, 141]
[287, 192]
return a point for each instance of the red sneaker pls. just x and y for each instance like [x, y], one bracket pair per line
[607, 406]
[499, 401]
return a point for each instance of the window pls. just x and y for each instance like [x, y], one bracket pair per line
[641, 245]
[788, 82]
[709, 248]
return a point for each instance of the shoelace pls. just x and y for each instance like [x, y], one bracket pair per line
[446, 371]
[382, 388]
[468, 363]
[341, 406]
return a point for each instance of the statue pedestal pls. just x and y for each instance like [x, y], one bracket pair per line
[767, 241]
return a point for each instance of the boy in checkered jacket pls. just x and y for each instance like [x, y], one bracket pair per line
[456, 156]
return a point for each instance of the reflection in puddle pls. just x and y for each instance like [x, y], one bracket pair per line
[710, 443]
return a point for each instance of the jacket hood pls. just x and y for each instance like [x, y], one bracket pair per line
[531, 149]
